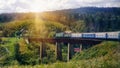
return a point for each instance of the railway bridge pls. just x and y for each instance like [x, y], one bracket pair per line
[82, 42]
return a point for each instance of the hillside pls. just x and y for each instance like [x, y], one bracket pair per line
[89, 19]
[104, 55]
[95, 19]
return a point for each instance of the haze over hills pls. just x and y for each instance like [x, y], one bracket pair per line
[51, 5]
[88, 19]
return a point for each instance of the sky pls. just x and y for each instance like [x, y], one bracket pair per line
[8, 6]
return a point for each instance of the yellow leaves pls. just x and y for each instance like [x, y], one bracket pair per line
[11, 27]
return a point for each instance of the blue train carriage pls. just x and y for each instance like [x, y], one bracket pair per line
[76, 35]
[88, 35]
[113, 35]
[101, 35]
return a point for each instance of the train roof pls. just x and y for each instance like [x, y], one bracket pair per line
[89, 32]
[104, 32]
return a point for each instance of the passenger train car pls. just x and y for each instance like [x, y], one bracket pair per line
[98, 35]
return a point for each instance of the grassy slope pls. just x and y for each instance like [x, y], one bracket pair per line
[9, 44]
[103, 49]
[104, 55]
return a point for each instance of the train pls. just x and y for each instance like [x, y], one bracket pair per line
[93, 35]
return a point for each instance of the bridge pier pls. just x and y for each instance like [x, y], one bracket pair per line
[40, 54]
[70, 51]
[80, 47]
[68, 55]
[58, 51]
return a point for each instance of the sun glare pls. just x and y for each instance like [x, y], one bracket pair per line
[39, 6]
